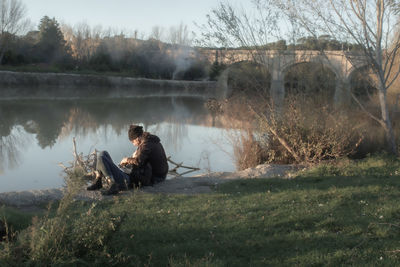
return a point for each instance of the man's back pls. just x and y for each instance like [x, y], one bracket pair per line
[151, 151]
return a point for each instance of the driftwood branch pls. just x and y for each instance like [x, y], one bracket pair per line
[87, 163]
[174, 171]
[78, 157]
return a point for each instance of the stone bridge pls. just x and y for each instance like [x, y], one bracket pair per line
[341, 63]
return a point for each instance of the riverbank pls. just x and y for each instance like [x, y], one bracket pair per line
[204, 183]
[30, 85]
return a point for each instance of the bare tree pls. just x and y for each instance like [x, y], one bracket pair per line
[229, 26]
[86, 41]
[180, 35]
[369, 23]
[157, 33]
[12, 14]
[83, 39]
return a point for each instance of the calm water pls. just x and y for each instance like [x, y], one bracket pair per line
[37, 135]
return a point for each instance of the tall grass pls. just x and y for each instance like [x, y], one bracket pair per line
[71, 232]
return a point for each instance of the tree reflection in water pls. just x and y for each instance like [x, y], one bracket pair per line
[50, 120]
[11, 148]
[89, 116]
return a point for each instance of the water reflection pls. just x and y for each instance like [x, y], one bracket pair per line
[11, 148]
[50, 119]
[45, 128]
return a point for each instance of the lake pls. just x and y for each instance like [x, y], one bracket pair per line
[36, 135]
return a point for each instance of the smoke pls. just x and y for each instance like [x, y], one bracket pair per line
[183, 59]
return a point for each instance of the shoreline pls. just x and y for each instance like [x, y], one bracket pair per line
[203, 183]
[32, 85]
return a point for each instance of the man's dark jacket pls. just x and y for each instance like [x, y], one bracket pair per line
[150, 161]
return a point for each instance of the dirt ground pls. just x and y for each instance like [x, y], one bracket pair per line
[205, 183]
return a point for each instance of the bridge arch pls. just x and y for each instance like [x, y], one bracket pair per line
[245, 77]
[361, 82]
[315, 60]
[313, 78]
[355, 69]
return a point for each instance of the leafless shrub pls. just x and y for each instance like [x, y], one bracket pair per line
[248, 149]
[307, 131]
[304, 130]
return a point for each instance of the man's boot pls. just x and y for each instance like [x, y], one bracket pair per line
[124, 186]
[96, 185]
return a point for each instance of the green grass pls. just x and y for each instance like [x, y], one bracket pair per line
[17, 220]
[55, 69]
[380, 165]
[311, 220]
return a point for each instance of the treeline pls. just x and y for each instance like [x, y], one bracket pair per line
[83, 48]
[321, 43]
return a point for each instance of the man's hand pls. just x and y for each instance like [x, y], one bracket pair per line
[124, 161]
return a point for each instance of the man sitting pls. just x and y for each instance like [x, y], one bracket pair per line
[147, 166]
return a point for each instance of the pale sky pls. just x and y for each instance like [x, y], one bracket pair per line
[127, 15]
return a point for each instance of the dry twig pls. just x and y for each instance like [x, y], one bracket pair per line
[87, 163]
[174, 171]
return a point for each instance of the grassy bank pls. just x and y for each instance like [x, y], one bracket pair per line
[344, 213]
[55, 69]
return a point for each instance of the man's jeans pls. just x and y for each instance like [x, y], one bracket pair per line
[108, 168]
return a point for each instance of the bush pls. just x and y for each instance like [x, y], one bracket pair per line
[294, 133]
[11, 58]
[101, 62]
[307, 131]
[249, 152]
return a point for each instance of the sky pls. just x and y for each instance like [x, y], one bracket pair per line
[126, 15]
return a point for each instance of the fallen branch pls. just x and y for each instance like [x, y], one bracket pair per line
[87, 163]
[174, 171]
[78, 158]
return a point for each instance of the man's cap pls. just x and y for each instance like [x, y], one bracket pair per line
[135, 131]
